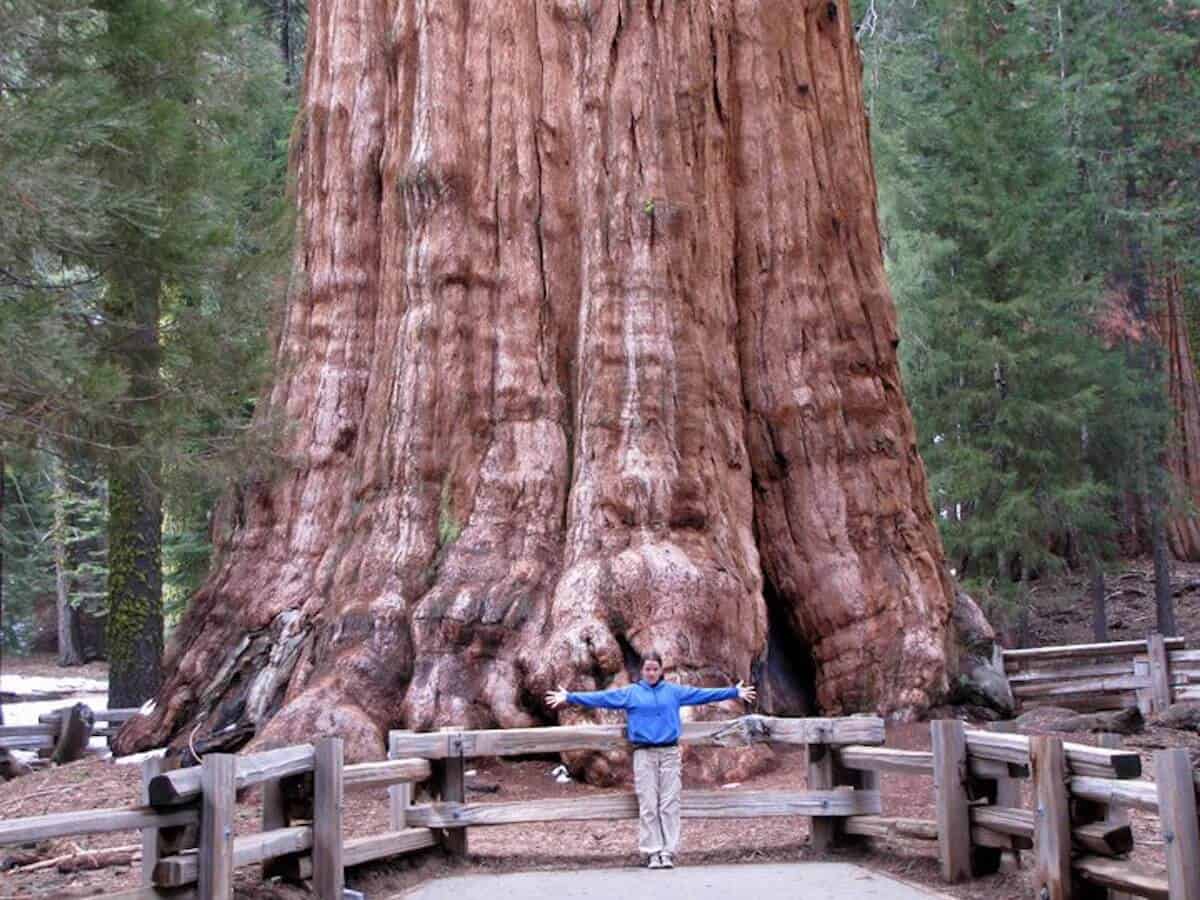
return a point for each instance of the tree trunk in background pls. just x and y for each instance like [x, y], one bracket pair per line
[69, 651]
[590, 352]
[1099, 603]
[1164, 603]
[134, 628]
[1183, 449]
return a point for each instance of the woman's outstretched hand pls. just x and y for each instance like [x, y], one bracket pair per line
[746, 692]
[557, 698]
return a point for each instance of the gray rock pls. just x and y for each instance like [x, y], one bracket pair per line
[980, 680]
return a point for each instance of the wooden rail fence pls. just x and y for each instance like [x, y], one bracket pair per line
[44, 736]
[1078, 830]
[1150, 674]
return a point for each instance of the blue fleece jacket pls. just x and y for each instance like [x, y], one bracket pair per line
[653, 711]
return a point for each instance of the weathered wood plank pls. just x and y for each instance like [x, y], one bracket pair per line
[1104, 838]
[1129, 794]
[183, 785]
[399, 795]
[885, 759]
[1065, 688]
[27, 742]
[1124, 875]
[1177, 657]
[556, 739]
[274, 817]
[389, 843]
[1052, 835]
[1064, 673]
[329, 877]
[949, 769]
[91, 821]
[694, 805]
[218, 771]
[1181, 835]
[1113, 815]
[151, 766]
[891, 827]
[821, 777]
[449, 774]
[385, 772]
[1160, 687]
[1082, 759]
[183, 868]
[1085, 651]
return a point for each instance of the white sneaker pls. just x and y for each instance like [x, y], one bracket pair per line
[665, 861]
[655, 862]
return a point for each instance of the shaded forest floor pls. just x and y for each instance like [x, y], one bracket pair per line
[1063, 616]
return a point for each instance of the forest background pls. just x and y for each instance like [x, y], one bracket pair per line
[1039, 181]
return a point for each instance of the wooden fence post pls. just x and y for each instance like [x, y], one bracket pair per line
[399, 795]
[151, 766]
[1160, 683]
[1114, 815]
[953, 809]
[329, 876]
[821, 778]
[1181, 833]
[1052, 820]
[218, 777]
[450, 776]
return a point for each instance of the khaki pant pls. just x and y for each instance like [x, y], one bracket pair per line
[656, 777]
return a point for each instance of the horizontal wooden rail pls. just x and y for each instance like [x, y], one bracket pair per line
[694, 805]
[891, 827]
[390, 843]
[556, 739]
[91, 821]
[381, 774]
[1082, 759]
[1099, 670]
[1123, 875]
[184, 868]
[183, 785]
[1106, 838]
[1063, 687]
[1129, 794]
[1014, 658]
[98, 715]
[357, 851]
[885, 759]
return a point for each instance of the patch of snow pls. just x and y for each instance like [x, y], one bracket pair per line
[471, 773]
[146, 708]
[41, 684]
[731, 784]
[27, 713]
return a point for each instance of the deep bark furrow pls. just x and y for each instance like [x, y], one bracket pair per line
[590, 335]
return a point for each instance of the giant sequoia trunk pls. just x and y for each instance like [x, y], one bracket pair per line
[1183, 449]
[589, 352]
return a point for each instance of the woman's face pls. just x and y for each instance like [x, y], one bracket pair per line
[652, 671]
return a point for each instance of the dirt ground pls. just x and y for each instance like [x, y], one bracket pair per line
[1062, 618]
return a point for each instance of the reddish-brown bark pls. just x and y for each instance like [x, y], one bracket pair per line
[1183, 449]
[590, 351]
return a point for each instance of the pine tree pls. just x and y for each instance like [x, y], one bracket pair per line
[147, 142]
[1006, 372]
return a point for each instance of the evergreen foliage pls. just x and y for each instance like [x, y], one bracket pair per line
[141, 174]
[1028, 178]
